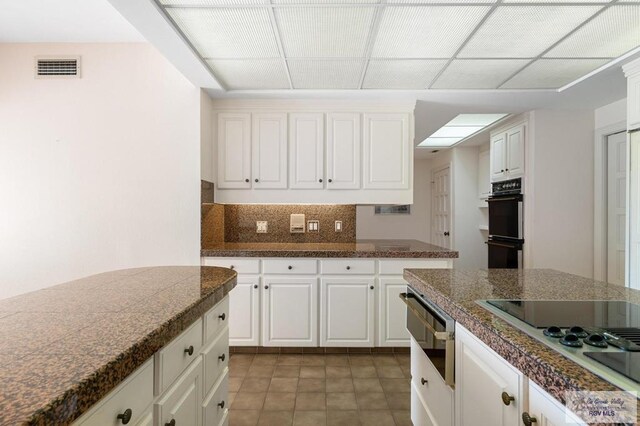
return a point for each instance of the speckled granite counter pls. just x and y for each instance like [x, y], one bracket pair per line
[65, 347]
[361, 248]
[455, 292]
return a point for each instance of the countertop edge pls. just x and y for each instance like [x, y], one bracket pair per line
[331, 254]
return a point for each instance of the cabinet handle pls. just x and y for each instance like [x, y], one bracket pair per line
[507, 399]
[266, 287]
[171, 423]
[126, 416]
[221, 404]
[257, 179]
[222, 357]
[330, 180]
[528, 419]
[424, 381]
[189, 350]
[246, 180]
[371, 287]
[320, 180]
[289, 267]
[255, 286]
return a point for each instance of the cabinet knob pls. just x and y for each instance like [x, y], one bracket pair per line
[289, 267]
[222, 357]
[320, 180]
[189, 350]
[266, 287]
[171, 423]
[528, 419]
[506, 170]
[446, 233]
[221, 404]
[423, 381]
[255, 286]
[257, 179]
[348, 268]
[222, 316]
[507, 399]
[125, 417]
[246, 180]
[330, 180]
[371, 287]
[502, 171]
[232, 267]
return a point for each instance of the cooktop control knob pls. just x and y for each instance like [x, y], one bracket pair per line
[571, 340]
[596, 340]
[578, 331]
[553, 331]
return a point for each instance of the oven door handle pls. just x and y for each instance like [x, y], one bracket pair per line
[439, 335]
[490, 200]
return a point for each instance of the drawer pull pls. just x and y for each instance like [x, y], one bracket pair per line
[171, 423]
[348, 268]
[528, 419]
[125, 417]
[189, 350]
[232, 267]
[222, 357]
[222, 316]
[221, 404]
[424, 381]
[289, 267]
[507, 399]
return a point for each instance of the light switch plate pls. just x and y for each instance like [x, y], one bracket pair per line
[313, 226]
[338, 225]
[262, 226]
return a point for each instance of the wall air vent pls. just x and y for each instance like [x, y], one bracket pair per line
[58, 67]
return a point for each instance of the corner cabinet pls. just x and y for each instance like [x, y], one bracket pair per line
[507, 153]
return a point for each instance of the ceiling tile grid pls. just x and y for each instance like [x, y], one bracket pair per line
[405, 44]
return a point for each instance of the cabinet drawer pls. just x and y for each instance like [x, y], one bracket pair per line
[348, 266]
[397, 266]
[216, 359]
[438, 396]
[215, 320]
[135, 394]
[241, 266]
[290, 266]
[419, 413]
[175, 357]
[216, 404]
[183, 400]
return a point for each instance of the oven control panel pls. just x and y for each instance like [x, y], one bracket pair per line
[513, 186]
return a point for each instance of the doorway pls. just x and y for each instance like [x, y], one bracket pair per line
[441, 207]
[616, 206]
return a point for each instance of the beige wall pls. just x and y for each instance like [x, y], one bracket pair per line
[97, 173]
[414, 226]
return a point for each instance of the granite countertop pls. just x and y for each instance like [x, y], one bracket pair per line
[456, 293]
[360, 248]
[65, 347]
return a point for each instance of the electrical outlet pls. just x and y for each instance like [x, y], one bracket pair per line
[313, 226]
[338, 225]
[262, 226]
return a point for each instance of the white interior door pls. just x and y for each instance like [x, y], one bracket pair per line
[616, 206]
[441, 208]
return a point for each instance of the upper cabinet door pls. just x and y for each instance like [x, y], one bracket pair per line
[484, 180]
[269, 146]
[234, 150]
[306, 151]
[515, 152]
[343, 151]
[387, 151]
[498, 156]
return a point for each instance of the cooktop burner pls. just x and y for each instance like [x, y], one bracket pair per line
[566, 314]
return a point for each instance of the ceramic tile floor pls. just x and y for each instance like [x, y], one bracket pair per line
[315, 390]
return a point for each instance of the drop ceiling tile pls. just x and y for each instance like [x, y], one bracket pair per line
[208, 2]
[402, 73]
[247, 74]
[560, 1]
[336, 32]
[478, 73]
[610, 34]
[228, 33]
[424, 31]
[325, 74]
[524, 31]
[552, 73]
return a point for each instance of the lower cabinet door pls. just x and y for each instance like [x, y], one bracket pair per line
[392, 313]
[147, 417]
[547, 411]
[215, 360]
[182, 401]
[289, 309]
[244, 312]
[216, 403]
[419, 413]
[347, 311]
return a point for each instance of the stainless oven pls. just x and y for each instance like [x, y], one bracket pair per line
[433, 330]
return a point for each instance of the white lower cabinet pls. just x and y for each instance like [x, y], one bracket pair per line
[392, 324]
[347, 311]
[216, 402]
[420, 414]
[548, 411]
[244, 308]
[181, 402]
[289, 311]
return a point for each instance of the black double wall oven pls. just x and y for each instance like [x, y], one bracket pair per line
[506, 222]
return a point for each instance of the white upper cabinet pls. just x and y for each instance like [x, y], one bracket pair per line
[507, 153]
[269, 150]
[484, 180]
[632, 72]
[343, 150]
[386, 151]
[306, 150]
[234, 150]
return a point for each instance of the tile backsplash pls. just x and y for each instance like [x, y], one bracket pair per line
[239, 223]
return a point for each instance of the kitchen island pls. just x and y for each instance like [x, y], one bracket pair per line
[526, 370]
[70, 347]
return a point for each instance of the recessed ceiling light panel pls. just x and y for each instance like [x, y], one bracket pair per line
[524, 31]
[325, 74]
[401, 73]
[208, 2]
[460, 128]
[439, 142]
[478, 73]
[552, 73]
[425, 32]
